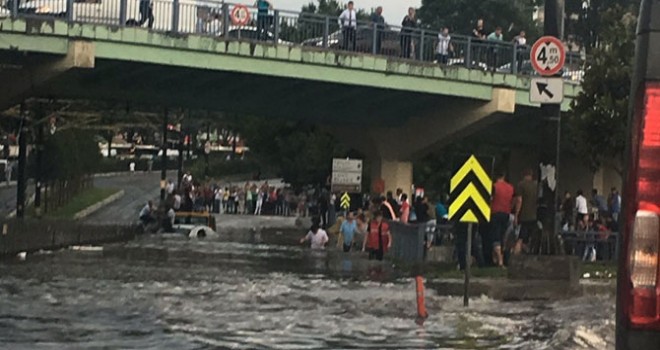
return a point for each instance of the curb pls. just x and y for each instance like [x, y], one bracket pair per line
[28, 202]
[94, 207]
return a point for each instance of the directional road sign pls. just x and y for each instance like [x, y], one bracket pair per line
[347, 165]
[470, 192]
[548, 55]
[546, 90]
[346, 175]
[345, 201]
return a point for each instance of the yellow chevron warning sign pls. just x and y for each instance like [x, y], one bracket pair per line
[345, 201]
[469, 192]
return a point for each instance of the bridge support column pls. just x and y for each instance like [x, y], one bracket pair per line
[391, 148]
[394, 174]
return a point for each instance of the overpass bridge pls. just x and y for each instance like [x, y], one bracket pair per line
[194, 57]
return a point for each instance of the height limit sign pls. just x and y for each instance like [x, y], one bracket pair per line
[548, 55]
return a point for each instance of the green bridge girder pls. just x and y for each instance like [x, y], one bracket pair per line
[194, 71]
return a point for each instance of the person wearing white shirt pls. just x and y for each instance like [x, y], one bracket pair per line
[520, 43]
[317, 236]
[348, 24]
[582, 211]
[444, 46]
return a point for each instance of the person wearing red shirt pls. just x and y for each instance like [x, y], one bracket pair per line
[405, 209]
[379, 239]
[501, 204]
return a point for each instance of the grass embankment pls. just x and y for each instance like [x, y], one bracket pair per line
[81, 201]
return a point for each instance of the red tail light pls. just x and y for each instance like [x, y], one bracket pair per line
[642, 225]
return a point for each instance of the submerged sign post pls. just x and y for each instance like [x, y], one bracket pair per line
[470, 192]
[346, 175]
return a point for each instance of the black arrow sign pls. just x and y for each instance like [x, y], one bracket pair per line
[543, 88]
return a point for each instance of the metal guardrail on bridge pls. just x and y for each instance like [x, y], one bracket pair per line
[212, 18]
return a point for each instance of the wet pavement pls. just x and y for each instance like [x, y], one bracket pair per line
[253, 291]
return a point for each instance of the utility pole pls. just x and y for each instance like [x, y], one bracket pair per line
[207, 150]
[180, 159]
[163, 170]
[22, 160]
[553, 26]
[39, 144]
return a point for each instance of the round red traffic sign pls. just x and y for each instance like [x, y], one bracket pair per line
[548, 55]
[240, 15]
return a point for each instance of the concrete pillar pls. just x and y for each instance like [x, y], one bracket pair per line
[394, 173]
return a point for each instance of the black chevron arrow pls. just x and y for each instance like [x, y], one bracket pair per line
[470, 205]
[470, 178]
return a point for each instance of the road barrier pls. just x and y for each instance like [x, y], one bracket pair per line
[408, 239]
[34, 235]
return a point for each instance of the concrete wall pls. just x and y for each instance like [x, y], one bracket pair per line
[33, 235]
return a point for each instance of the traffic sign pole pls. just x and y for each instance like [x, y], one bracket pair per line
[470, 191]
[468, 260]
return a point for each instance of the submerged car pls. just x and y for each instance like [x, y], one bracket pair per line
[195, 224]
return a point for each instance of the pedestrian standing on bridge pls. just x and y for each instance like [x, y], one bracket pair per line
[146, 13]
[495, 38]
[444, 47]
[378, 23]
[348, 24]
[409, 24]
[263, 19]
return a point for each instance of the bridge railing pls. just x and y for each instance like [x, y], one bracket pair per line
[214, 18]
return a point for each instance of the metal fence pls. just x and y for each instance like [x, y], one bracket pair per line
[213, 18]
[591, 245]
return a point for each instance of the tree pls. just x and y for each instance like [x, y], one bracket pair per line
[584, 20]
[598, 117]
[461, 15]
[302, 154]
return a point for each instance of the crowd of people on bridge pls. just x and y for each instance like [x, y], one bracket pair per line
[486, 45]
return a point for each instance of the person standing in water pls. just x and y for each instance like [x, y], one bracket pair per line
[317, 237]
[348, 229]
[379, 239]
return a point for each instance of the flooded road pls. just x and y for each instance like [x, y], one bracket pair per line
[175, 293]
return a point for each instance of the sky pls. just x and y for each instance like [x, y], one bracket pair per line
[393, 10]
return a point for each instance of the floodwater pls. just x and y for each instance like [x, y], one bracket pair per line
[176, 293]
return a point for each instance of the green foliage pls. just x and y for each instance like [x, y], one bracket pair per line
[588, 24]
[461, 15]
[219, 168]
[301, 154]
[70, 154]
[597, 122]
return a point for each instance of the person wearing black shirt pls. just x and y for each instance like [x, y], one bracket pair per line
[409, 24]
[378, 22]
[478, 33]
[421, 210]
